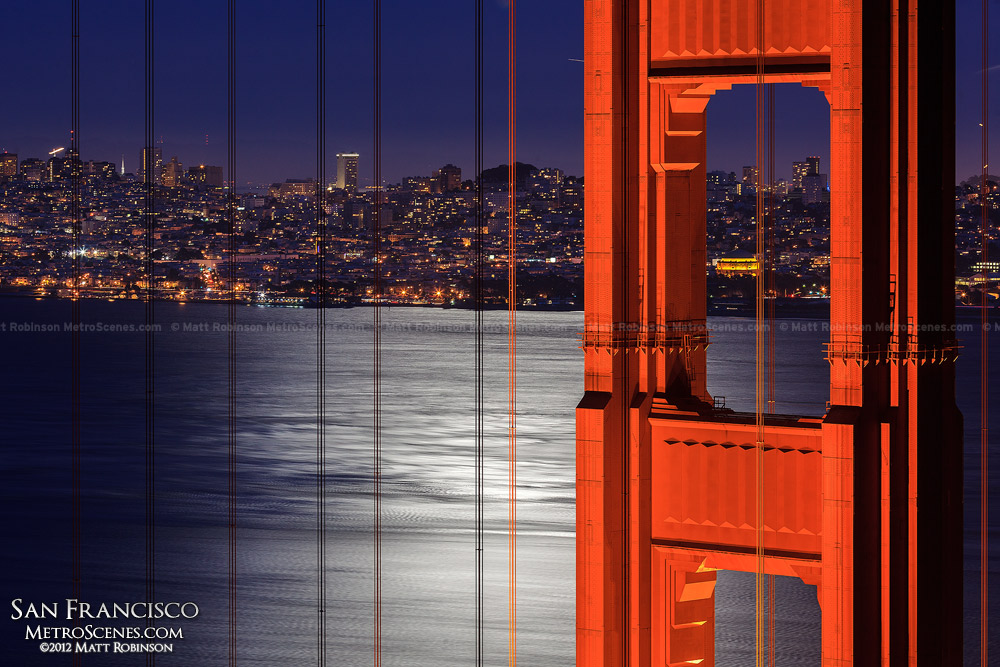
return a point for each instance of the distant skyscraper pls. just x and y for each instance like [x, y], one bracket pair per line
[748, 184]
[808, 182]
[813, 162]
[152, 158]
[449, 178]
[206, 175]
[799, 171]
[61, 167]
[814, 189]
[347, 171]
[803, 170]
[173, 173]
[8, 165]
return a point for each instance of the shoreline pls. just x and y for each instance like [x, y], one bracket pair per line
[792, 308]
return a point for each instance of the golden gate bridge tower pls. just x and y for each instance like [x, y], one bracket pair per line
[864, 502]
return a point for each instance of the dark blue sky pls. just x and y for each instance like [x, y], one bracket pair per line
[428, 86]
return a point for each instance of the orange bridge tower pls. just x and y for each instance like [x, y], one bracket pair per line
[864, 502]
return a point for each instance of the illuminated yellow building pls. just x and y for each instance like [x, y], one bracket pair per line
[735, 266]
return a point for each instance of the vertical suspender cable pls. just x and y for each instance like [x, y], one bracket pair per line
[377, 351]
[511, 338]
[771, 297]
[984, 352]
[759, 345]
[478, 291]
[769, 267]
[231, 339]
[75, 363]
[321, 303]
[149, 182]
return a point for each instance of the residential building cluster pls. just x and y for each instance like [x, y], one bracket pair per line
[428, 233]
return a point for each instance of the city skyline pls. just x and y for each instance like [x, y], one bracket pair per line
[12, 162]
[423, 216]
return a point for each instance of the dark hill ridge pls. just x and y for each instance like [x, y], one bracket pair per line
[498, 175]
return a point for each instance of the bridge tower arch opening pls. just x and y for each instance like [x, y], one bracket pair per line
[868, 503]
[799, 214]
